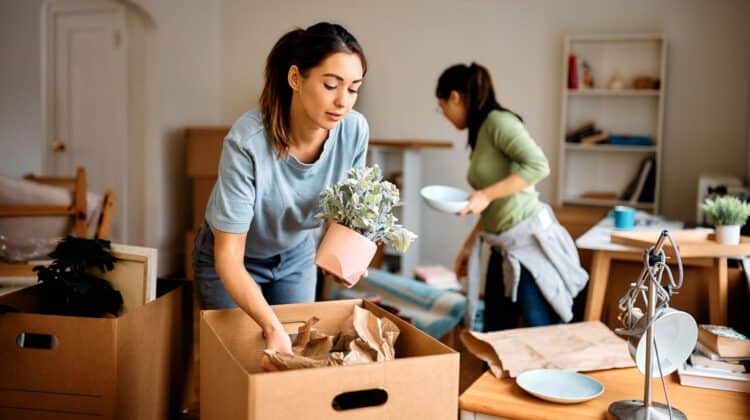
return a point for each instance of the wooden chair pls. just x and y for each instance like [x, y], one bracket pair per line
[77, 209]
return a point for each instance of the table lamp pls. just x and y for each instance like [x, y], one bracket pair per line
[659, 334]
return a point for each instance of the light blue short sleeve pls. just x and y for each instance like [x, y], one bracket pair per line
[230, 208]
[363, 131]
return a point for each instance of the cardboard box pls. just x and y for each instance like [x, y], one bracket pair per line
[422, 383]
[128, 367]
[202, 187]
[204, 150]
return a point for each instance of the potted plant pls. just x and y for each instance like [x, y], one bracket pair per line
[358, 210]
[727, 214]
[68, 285]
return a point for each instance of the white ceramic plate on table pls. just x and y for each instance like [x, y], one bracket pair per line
[560, 386]
[444, 198]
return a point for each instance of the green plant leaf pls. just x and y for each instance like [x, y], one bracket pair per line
[363, 202]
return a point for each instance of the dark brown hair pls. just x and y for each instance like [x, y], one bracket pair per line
[474, 84]
[304, 48]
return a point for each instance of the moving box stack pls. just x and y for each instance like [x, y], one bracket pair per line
[721, 360]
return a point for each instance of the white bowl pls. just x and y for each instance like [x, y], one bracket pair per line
[559, 386]
[444, 198]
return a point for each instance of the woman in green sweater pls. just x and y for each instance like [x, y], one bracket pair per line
[505, 164]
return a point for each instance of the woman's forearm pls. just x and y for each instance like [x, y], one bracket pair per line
[229, 257]
[469, 242]
[507, 186]
[241, 287]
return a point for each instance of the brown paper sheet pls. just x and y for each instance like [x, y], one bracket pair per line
[363, 338]
[580, 347]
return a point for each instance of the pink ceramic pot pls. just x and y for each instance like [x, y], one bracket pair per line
[345, 253]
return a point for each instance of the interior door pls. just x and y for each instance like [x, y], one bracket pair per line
[87, 88]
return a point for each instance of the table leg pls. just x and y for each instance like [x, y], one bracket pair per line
[717, 292]
[597, 286]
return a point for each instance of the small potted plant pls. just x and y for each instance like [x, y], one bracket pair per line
[727, 214]
[69, 286]
[358, 210]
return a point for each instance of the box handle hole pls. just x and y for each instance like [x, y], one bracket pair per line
[27, 340]
[359, 399]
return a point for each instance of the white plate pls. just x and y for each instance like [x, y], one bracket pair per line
[444, 198]
[560, 386]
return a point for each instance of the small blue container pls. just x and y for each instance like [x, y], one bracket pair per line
[624, 218]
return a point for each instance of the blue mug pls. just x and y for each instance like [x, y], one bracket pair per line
[624, 218]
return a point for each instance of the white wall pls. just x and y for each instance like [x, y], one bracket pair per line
[21, 147]
[203, 64]
[408, 44]
[174, 66]
[182, 88]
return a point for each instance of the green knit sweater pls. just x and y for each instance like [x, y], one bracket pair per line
[503, 147]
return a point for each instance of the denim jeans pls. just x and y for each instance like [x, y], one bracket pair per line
[288, 277]
[501, 313]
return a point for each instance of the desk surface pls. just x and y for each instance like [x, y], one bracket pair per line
[503, 398]
[597, 238]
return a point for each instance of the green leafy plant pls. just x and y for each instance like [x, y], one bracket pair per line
[363, 202]
[726, 211]
[68, 286]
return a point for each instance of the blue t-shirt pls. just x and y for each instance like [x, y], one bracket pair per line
[275, 200]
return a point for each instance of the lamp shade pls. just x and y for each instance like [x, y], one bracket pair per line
[675, 334]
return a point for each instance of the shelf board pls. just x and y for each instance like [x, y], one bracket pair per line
[614, 92]
[615, 37]
[607, 203]
[610, 148]
[411, 144]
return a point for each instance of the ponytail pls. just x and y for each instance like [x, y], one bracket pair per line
[474, 83]
[276, 98]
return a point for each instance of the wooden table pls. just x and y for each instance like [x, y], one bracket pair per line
[492, 398]
[714, 257]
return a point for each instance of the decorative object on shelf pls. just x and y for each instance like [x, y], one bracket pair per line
[587, 76]
[444, 198]
[616, 82]
[580, 75]
[727, 214]
[656, 333]
[585, 130]
[359, 209]
[572, 71]
[69, 287]
[630, 140]
[646, 82]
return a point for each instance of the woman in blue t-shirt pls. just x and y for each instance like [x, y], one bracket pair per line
[255, 248]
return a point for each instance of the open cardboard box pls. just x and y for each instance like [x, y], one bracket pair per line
[422, 383]
[125, 367]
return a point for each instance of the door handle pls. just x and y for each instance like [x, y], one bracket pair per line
[58, 146]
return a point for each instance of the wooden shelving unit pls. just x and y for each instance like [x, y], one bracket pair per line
[404, 156]
[605, 167]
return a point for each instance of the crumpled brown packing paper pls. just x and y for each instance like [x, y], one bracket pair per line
[580, 347]
[364, 338]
